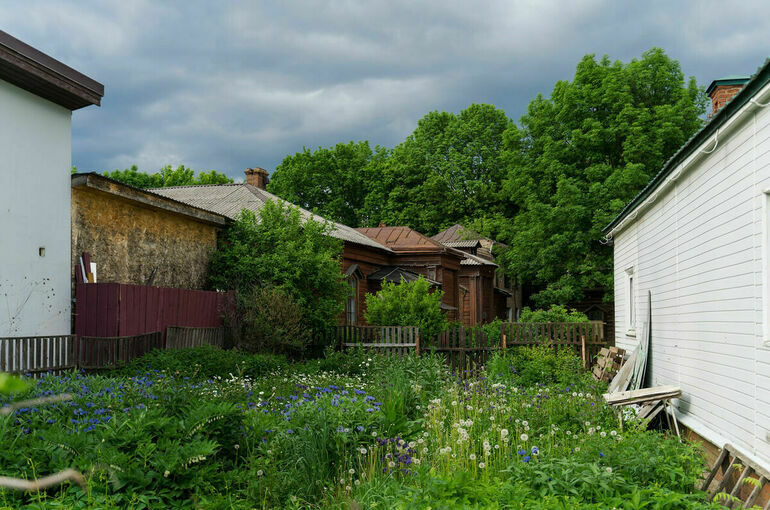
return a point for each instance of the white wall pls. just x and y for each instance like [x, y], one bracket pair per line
[701, 249]
[35, 162]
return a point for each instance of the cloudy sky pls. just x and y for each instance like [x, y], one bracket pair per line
[230, 85]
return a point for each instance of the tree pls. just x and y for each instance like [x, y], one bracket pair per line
[556, 313]
[166, 176]
[332, 181]
[579, 157]
[281, 249]
[449, 170]
[407, 304]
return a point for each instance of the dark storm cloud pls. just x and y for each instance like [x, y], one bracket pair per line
[227, 85]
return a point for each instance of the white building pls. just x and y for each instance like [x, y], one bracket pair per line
[697, 238]
[37, 97]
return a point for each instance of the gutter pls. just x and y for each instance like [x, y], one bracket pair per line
[756, 90]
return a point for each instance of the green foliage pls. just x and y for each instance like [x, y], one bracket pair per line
[408, 304]
[205, 362]
[449, 170]
[556, 313]
[166, 176]
[334, 181]
[541, 364]
[280, 248]
[579, 157]
[268, 319]
[11, 384]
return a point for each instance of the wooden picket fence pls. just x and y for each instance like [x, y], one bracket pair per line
[37, 354]
[399, 340]
[178, 337]
[34, 356]
[467, 350]
[96, 353]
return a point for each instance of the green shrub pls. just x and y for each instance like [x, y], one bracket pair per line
[540, 364]
[408, 304]
[556, 313]
[268, 319]
[278, 247]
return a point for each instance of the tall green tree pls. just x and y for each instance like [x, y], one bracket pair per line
[449, 170]
[280, 249]
[166, 176]
[333, 181]
[582, 154]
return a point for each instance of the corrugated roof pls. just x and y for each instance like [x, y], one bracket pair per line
[475, 260]
[754, 85]
[231, 199]
[471, 243]
[456, 233]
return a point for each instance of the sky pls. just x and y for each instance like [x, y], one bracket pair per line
[231, 85]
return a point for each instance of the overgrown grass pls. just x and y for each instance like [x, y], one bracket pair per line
[203, 428]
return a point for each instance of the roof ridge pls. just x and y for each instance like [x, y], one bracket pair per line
[200, 185]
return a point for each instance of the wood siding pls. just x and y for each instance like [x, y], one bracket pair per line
[701, 250]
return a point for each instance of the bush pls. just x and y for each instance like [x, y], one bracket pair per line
[268, 319]
[540, 364]
[206, 362]
[556, 313]
[408, 304]
[280, 248]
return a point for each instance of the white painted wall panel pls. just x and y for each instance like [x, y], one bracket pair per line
[699, 249]
[35, 162]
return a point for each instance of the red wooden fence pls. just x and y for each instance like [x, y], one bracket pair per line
[120, 310]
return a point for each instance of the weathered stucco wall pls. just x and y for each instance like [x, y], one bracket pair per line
[132, 243]
[34, 214]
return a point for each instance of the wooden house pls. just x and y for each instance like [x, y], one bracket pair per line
[697, 239]
[485, 292]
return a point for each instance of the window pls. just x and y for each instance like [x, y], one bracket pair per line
[351, 307]
[631, 313]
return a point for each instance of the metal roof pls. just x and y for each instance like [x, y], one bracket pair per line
[34, 71]
[403, 239]
[471, 243]
[231, 199]
[475, 260]
[754, 85]
[456, 233]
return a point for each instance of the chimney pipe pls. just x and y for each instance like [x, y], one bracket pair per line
[257, 177]
[722, 90]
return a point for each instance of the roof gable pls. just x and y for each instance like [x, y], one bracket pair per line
[402, 239]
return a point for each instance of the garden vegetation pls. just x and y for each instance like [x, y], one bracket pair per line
[204, 428]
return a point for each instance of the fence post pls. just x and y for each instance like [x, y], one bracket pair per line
[583, 350]
[417, 343]
[505, 341]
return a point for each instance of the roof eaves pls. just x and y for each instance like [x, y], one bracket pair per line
[754, 85]
[34, 71]
[111, 186]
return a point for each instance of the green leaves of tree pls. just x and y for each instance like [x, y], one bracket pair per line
[407, 304]
[166, 176]
[579, 157]
[280, 248]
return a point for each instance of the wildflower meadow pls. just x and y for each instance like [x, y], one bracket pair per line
[203, 428]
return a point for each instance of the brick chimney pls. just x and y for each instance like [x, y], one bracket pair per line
[257, 177]
[722, 90]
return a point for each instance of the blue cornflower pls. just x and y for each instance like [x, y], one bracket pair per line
[527, 458]
[601, 454]
[522, 452]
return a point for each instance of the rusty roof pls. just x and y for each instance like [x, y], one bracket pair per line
[231, 199]
[402, 239]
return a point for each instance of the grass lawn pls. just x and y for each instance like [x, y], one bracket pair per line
[203, 428]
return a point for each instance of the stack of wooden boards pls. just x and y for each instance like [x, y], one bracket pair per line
[652, 401]
[608, 362]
